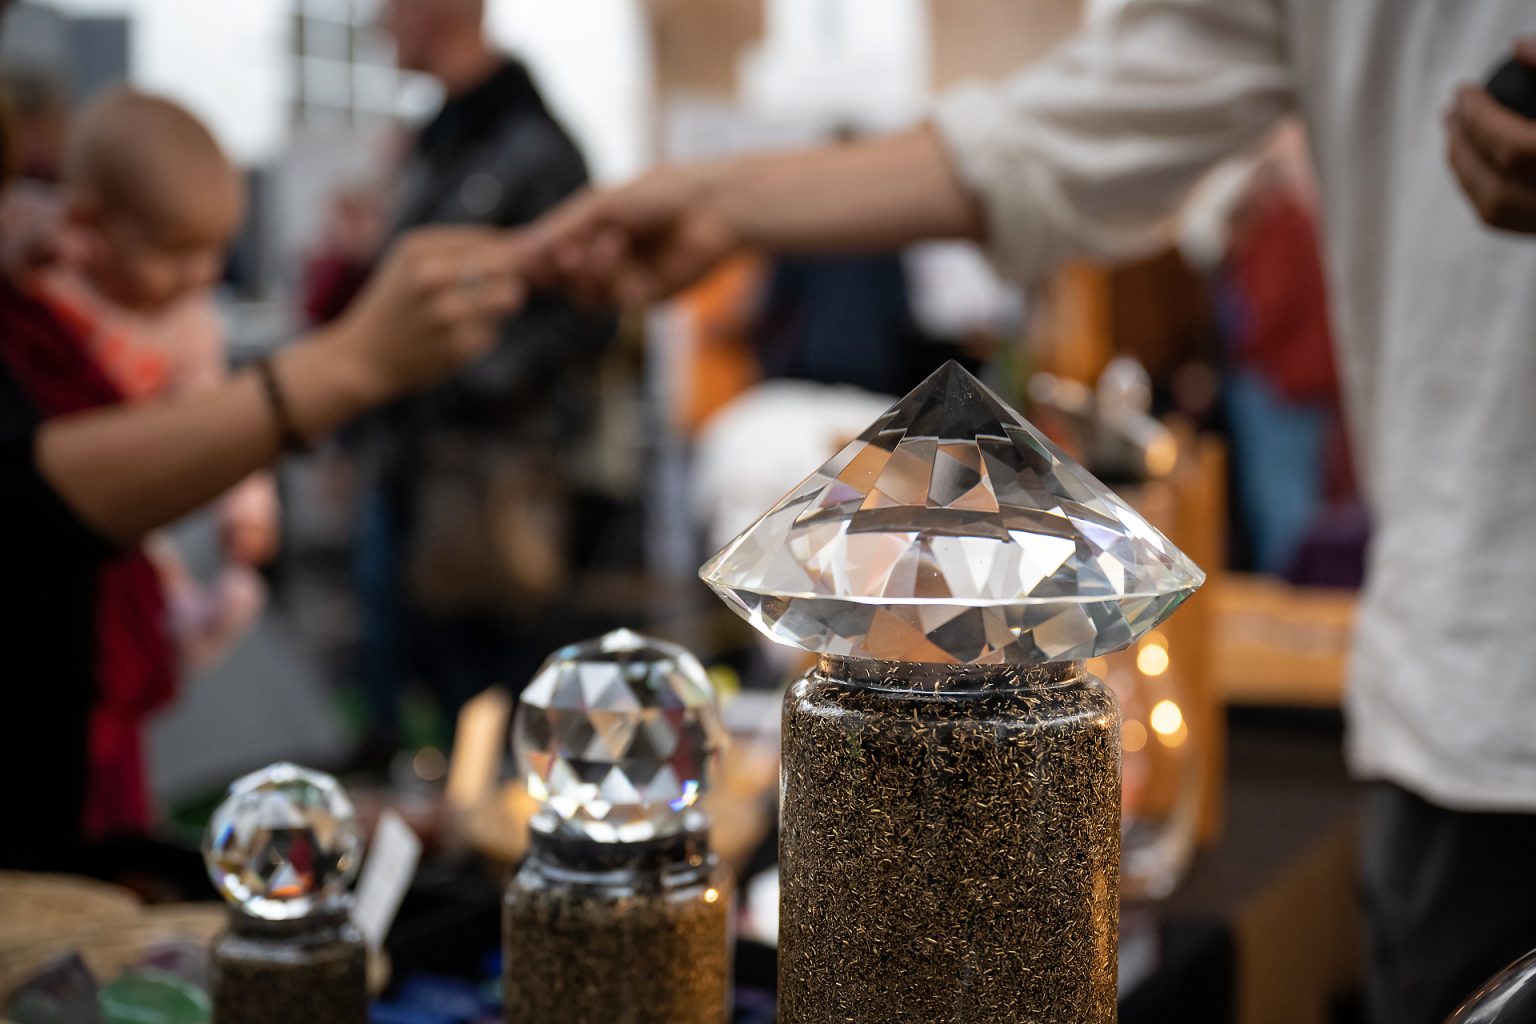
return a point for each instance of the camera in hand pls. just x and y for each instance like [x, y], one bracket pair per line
[1514, 85]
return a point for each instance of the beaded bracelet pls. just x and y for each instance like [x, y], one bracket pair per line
[282, 414]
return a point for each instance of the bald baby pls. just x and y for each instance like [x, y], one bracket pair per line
[154, 196]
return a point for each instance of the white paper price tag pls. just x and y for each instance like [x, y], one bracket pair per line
[387, 874]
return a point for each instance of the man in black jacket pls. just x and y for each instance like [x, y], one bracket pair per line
[461, 553]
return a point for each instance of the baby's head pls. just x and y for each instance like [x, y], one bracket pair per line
[156, 197]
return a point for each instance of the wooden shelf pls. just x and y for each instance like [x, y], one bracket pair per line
[1273, 644]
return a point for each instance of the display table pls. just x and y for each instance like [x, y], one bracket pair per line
[1264, 930]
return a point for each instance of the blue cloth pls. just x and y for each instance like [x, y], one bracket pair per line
[839, 320]
[383, 653]
[1278, 454]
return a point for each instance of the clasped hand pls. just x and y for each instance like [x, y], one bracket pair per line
[1492, 151]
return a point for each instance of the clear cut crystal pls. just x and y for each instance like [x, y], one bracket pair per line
[617, 738]
[284, 844]
[952, 531]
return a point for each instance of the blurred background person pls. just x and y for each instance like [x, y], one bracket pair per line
[462, 545]
[39, 108]
[1293, 487]
[40, 115]
[839, 320]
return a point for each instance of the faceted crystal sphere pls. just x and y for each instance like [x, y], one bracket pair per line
[617, 738]
[952, 531]
[284, 843]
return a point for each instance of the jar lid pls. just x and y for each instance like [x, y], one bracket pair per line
[952, 531]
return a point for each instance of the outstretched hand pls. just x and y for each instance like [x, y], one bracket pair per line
[1492, 151]
[632, 245]
[648, 240]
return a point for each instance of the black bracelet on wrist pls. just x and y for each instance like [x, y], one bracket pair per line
[282, 415]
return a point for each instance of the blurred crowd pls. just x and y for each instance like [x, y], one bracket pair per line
[471, 515]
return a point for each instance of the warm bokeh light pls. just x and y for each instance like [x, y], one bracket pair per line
[1166, 718]
[711, 895]
[430, 764]
[1152, 660]
[1162, 455]
[1133, 736]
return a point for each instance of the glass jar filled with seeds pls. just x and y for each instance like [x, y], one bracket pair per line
[283, 849]
[950, 834]
[618, 915]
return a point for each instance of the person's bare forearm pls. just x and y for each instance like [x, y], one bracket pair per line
[645, 241]
[130, 469]
[869, 195]
[431, 308]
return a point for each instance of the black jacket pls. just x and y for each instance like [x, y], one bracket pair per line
[496, 156]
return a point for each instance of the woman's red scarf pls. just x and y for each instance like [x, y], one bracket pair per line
[135, 660]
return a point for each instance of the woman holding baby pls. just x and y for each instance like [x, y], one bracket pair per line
[84, 477]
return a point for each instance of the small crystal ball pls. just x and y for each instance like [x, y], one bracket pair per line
[284, 844]
[617, 738]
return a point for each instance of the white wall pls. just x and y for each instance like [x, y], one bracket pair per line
[592, 60]
[225, 59]
[859, 61]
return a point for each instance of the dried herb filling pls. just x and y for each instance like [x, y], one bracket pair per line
[949, 846]
[595, 936]
[316, 972]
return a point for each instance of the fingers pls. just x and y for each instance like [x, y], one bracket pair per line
[463, 273]
[555, 243]
[1506, 141]
[600, 247]
[479, 291]
[502, 289]
[588, 274]
[580, 250]
[1501, 200]
[628, 246]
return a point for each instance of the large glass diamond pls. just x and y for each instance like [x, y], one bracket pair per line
[617, 738]
[284, 843]
[952, 531]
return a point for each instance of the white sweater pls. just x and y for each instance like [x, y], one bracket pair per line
[1434, 314]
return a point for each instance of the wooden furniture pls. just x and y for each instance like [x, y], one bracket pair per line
[699, 43]
[988, 39]
[1189, 506]
[1278, 645]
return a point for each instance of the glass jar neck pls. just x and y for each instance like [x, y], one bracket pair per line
[934, 677]
[564, 852]
[321, 926]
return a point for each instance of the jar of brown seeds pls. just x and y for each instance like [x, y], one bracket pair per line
[617, 933]
[950, 845]
[312, 969]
